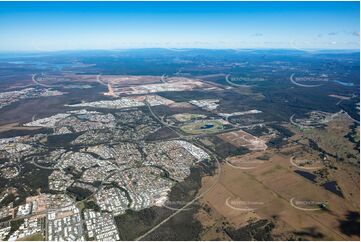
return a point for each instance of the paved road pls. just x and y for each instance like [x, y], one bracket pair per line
[294, 123]
[100, 81]
[38, 83]
[197, 197]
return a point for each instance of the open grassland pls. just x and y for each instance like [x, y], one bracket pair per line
[332, 139]
[267, 192]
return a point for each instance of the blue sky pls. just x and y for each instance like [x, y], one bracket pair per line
[115, 25]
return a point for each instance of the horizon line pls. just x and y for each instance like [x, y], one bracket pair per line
[180, 48]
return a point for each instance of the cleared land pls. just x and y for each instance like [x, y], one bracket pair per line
[241, 138]
[248, 161]
[184, 117]
[271, 186]
[124, 80]
[173, 84]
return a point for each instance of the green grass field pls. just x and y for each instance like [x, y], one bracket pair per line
[196, 127]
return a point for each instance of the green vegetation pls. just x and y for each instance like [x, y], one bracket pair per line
[14, 225]
[259, 230]
[222, 148]
[79, 193]
[33, 237]
[133, 224]
[203, 127]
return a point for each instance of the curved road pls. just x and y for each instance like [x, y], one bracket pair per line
[38, 83]
[294, 123]
[197, 197]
